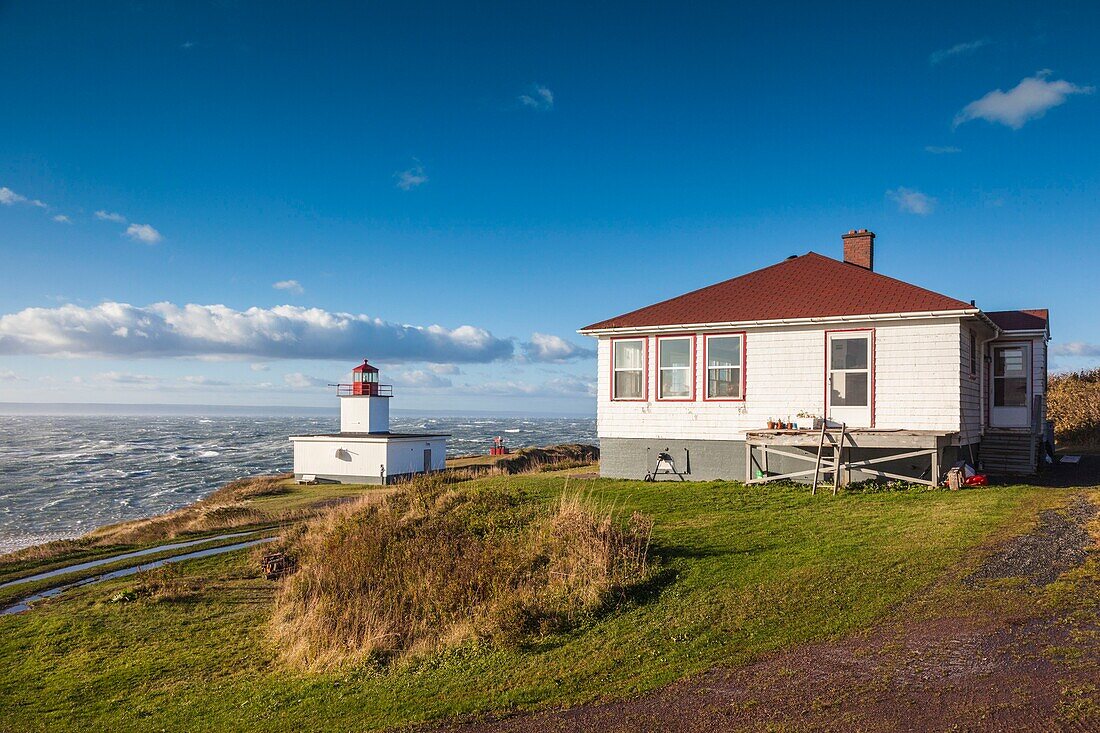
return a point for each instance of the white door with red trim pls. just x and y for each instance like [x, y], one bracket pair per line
[848, 378]
[1011, 387]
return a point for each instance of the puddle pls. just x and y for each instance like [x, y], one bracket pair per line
[25, 604]
[118, 558]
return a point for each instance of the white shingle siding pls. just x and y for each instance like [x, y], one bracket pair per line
[971, 386]
[917, 383]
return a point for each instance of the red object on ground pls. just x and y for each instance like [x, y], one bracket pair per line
[977, 479]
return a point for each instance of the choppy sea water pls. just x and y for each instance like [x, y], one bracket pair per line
[62, 476]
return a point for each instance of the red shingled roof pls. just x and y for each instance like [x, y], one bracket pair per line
[809, 286]
[1027, 320]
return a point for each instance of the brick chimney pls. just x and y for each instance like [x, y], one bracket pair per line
[859, 248]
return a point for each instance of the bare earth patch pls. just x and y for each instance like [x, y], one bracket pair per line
[996, 670]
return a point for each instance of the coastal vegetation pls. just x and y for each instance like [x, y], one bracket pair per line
[433, 567]
[234, 506]
[567, 602]
[1073, 404]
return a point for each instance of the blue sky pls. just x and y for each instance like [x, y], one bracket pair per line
[230, 202]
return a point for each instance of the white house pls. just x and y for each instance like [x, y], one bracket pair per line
[700, 376]
[365, 451]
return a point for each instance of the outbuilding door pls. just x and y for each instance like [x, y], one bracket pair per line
[1011, 386]
[848, 378]
[427, 460]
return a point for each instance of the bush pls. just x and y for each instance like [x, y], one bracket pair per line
[1073, 404]
[165, 583]
[430, 567]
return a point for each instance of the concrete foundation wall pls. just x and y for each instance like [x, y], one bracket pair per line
[707, 460]
[698, 460]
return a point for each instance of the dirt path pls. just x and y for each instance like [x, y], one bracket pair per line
[1010, 666]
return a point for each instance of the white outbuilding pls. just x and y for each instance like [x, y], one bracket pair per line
[365, 451]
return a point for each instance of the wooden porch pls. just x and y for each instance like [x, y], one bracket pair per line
[833, 454]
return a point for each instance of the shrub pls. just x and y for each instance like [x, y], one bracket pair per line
[250, 488]
[429, 567]
[165, 583]
[1073, 404]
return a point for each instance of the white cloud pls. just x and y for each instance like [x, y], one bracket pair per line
[445, 369]
[291, 286]
[126, 379]
[297, 380]
[942, 149]
[110, 216]
[540, 98]
[1075, 348]
[259, 367]
[9, 376]
[912, 201]
[411, 178]
[9, 197]
[546, 347]
[203, 381]
[568, 386]
[63, 219]
[217, 331]
[420, 379]
[143, 233]
[1028, 100]
[959, 49]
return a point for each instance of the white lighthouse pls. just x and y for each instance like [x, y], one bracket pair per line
[365, 451]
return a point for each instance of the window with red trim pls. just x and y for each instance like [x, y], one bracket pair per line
[725, 366]
[675, 367]
[628, 369]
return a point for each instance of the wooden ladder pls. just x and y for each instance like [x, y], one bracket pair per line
[837, 448]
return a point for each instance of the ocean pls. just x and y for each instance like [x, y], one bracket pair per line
[64, 475]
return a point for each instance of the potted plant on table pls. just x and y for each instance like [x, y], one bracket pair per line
[806, 421]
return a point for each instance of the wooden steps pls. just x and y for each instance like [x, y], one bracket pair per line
[1009, 453]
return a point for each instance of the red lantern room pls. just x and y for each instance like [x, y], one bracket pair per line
[364, 380]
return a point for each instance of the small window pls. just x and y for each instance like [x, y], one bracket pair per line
[675, 365]
[973, 354]
[628, 369]
[725, 365]
[849, 371]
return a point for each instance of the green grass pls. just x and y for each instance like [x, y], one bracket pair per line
[744, 571]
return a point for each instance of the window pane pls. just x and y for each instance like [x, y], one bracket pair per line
[675, 352]
[848, 389]
[724, 383]
[628, 385]
[628, 354]
[724, 351]
[1010, 392]
[675, 383]
[1009, 363]
[849, 353]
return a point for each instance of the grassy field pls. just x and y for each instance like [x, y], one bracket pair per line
[743, 571]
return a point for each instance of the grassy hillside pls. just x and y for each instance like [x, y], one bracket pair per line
[742, 571]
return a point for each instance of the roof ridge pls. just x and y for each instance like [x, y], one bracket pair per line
[790, 288]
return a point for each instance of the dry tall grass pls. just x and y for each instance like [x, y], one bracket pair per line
[1073, 403]
[430, 567]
